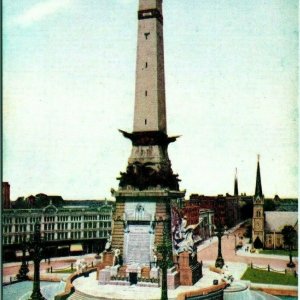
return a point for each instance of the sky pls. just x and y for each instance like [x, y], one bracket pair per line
[231, 87]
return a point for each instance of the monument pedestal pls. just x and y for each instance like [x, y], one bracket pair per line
[108, 260]
[189, 268]
[137, 230]
[173, 278]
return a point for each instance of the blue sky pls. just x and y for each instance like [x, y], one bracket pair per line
[231, 88]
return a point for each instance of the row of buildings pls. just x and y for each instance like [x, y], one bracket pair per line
[67, 226]
[71, 226]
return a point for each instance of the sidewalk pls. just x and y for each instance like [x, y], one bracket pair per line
[214, 239]
[54, 259]
[242, 252]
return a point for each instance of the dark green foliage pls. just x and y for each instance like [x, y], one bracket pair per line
[290, 241]
[247, 210]
[289, 236]
[269, 205]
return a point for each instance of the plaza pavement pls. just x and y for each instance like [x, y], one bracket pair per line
[237, 263]
[209, 250]
[12, 269]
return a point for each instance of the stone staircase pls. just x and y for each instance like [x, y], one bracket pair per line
[80, 296]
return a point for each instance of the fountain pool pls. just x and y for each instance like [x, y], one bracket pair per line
[240, 291]
[22, 290]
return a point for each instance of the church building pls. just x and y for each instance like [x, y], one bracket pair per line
[267, 225]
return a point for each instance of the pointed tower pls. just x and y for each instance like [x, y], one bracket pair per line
[148, 186]
[258, 212]
[236, 186]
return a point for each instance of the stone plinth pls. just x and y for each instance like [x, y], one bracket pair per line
[134, 268]
[104, 276]
[108, 259]
[189, 268]
[114, 270]
[173, 278]
[154, 273]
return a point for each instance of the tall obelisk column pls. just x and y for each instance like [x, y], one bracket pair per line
[149, 164]
[150, 107]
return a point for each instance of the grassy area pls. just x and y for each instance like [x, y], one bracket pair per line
[278, 252]
[64, 271]
[260, 276]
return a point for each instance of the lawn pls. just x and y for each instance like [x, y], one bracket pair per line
[278, 252]
[64, 271]
[260, 276]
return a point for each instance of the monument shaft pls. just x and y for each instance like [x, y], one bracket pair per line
[149, 164]
[150, 107]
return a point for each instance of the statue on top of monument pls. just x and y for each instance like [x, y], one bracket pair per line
[108, 243]
[183, 234]
[143, 176]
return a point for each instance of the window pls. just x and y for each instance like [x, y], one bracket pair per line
[146, 65]
[145, 121]
[146, 35]
[146, 93]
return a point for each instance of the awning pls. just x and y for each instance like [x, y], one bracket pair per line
[76, 247]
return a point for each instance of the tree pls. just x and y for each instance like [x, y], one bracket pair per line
[290, 239]
[269, 205]
[248, 232]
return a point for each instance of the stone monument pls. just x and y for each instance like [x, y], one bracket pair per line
[148, 185]
[142, 218]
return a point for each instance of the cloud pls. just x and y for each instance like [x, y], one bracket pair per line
[40, 11]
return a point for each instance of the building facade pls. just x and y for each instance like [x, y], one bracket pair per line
[84, 223]
[226, 208]
[5, 195]
[274, 223]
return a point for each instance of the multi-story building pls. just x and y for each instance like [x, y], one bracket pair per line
[5, 195]
[66, 226]
[226, 208]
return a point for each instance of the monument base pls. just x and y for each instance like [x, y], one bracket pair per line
[107, 261]
[190, 269]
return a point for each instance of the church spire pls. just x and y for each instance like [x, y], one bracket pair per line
[236, 187]
[258, 188]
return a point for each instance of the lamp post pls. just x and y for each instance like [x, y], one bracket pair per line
[22, 275]
[234, 243]
[165, 249]
[36, 247]
[219, 232]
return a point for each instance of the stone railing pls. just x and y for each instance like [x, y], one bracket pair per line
[69, 289]
[196, 294]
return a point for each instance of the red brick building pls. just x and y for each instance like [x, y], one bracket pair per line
[226, 208]
[5, 195]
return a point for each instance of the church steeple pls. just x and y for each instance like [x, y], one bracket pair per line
[236, 187]
[258, 224]
[258, 188]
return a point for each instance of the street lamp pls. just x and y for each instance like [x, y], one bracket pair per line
[219, 232]
[165, 249]
[22, 275]
[36, 247]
